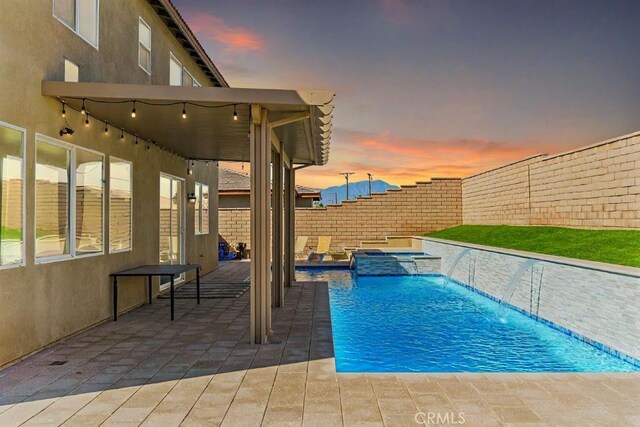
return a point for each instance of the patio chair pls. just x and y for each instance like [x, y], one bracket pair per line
[301, 244]
[324, 243]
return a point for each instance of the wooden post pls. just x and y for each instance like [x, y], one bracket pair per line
[277, 286]
[260, 317]
[289, 225]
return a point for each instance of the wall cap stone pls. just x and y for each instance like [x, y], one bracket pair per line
[622, 270]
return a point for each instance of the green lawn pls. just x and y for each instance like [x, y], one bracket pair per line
[11, 233]
[611, 246]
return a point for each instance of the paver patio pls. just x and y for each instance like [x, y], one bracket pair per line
[200, 370]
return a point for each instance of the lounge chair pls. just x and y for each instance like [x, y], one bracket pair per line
[324, 242]
[301, 244]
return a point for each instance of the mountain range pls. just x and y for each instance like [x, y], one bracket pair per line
[338, 193]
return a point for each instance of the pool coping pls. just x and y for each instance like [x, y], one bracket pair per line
[622, 270]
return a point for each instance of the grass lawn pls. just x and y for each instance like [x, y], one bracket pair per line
[11, 233]
[611, 246]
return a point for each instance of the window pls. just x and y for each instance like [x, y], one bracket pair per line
[53, 163]
[71, 71]
[69, 200]
[81, 16]
[175, 71]
[120, 205]
[202, 209]
[11, 195]
[187, 78]
[144, 46]
[89, 203]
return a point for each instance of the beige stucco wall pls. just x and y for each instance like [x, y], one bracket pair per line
[597, 186]
[42, 303]
[414, 209]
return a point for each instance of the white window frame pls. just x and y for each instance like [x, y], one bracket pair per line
[77, 29]
[130, 248]
[72, 201]
[141, 44]
[68, 61]
[23, 174]
[198, 192]
[185, 71]
[173, 58]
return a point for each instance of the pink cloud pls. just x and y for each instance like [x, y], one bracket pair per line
[397, 11]
[234, 38]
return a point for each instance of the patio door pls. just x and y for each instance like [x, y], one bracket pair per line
[171, 223]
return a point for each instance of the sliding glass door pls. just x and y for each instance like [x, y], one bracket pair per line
[171, 222]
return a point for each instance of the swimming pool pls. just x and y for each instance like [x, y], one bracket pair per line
[417, 324]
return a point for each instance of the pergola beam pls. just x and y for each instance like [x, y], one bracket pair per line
[260, 305]
[289, 225]
[288, 120]
[277, 285]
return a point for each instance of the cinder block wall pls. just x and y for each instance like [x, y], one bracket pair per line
[597, 186]
[413, 209]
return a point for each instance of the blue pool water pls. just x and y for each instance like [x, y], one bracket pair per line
[416, 324]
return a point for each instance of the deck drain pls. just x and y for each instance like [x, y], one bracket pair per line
[58, 362]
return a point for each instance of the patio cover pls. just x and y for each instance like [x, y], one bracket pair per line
[301, 120]
[274, 130]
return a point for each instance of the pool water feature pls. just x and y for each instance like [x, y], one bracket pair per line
[417, 324]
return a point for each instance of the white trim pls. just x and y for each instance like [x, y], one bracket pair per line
[71, 227]
[104, 203]
[186, 71]
[182, 235]
[140, 43]
[173, 58]
[130, 248]
[76, 30]
[23, 174]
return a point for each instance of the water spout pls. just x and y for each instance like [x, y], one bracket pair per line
[454, 264]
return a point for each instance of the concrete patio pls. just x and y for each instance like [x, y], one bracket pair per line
[200, 370]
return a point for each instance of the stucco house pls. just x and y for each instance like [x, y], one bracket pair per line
[234, 191]
[106, 121]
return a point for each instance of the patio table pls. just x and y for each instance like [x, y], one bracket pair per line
[155, 270]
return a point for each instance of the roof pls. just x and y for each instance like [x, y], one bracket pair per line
[300, 119]
[181, 31]
[230, 181]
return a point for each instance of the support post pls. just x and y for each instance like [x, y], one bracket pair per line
[277, 286]
[289, 226]
[260, 147]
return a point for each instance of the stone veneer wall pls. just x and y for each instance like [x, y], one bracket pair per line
[598, 304]
[413, 209]
[597, 186]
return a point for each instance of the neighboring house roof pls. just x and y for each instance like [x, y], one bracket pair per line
[177, 25]
[238, 183]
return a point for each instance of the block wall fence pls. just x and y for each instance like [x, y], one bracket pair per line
[412, 209]
[597, 186]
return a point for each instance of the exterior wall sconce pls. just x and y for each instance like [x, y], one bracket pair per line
[191, 197]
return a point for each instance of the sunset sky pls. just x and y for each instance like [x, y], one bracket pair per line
[437, 88]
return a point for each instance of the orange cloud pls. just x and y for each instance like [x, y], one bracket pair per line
[234, 38]
[400, 160]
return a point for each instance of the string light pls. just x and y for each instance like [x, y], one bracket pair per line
[133, 110]
[122, 133]
[190, 169]
[64, 112]
[106, 126]
[83, 110]
[86, 121]
[235, 112]
[148, 146]
[136, 139]
[184, 110]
